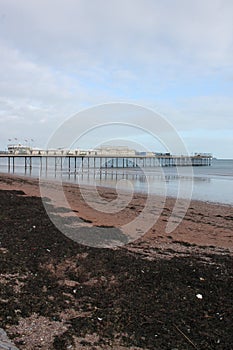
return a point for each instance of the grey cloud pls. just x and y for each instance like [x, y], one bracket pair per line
[58, 57]
[141, 31]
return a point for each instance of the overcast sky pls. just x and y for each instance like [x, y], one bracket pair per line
[174, 57]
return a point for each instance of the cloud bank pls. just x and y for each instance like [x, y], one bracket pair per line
[59, 57]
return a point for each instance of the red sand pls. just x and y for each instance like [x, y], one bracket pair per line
[205, 224]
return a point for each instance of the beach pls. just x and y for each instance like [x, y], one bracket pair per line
[160, 291]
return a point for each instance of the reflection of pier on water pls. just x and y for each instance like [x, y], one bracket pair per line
[136, 175]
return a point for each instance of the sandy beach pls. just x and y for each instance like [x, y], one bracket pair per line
[205, 224]
[163, 290]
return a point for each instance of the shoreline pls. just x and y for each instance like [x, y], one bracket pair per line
[35, 180]
[215, 198]
[204, 225]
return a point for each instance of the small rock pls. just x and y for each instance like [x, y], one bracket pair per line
[199, 296]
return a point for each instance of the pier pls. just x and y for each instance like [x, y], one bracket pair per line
[75, 163]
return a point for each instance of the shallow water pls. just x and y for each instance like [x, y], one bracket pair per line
[207, 183]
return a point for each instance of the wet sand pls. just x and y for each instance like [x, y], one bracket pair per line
[205, 225]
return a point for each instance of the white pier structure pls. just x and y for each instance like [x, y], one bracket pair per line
[105, 157]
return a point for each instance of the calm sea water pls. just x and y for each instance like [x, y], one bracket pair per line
[208, 183]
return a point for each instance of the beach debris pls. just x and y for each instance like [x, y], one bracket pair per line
[34, 226]
[17, 311]
[202, 279]
[99, 318]
[220, 316]
[199, 296]
[186, 337]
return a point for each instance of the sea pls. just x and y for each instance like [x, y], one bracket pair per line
[206, 183]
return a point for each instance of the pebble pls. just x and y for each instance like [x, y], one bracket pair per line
[199, 296]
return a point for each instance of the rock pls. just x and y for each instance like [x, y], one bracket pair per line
[5, 343]
[199, 296]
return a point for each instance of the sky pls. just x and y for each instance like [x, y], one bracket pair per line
[175, 58]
